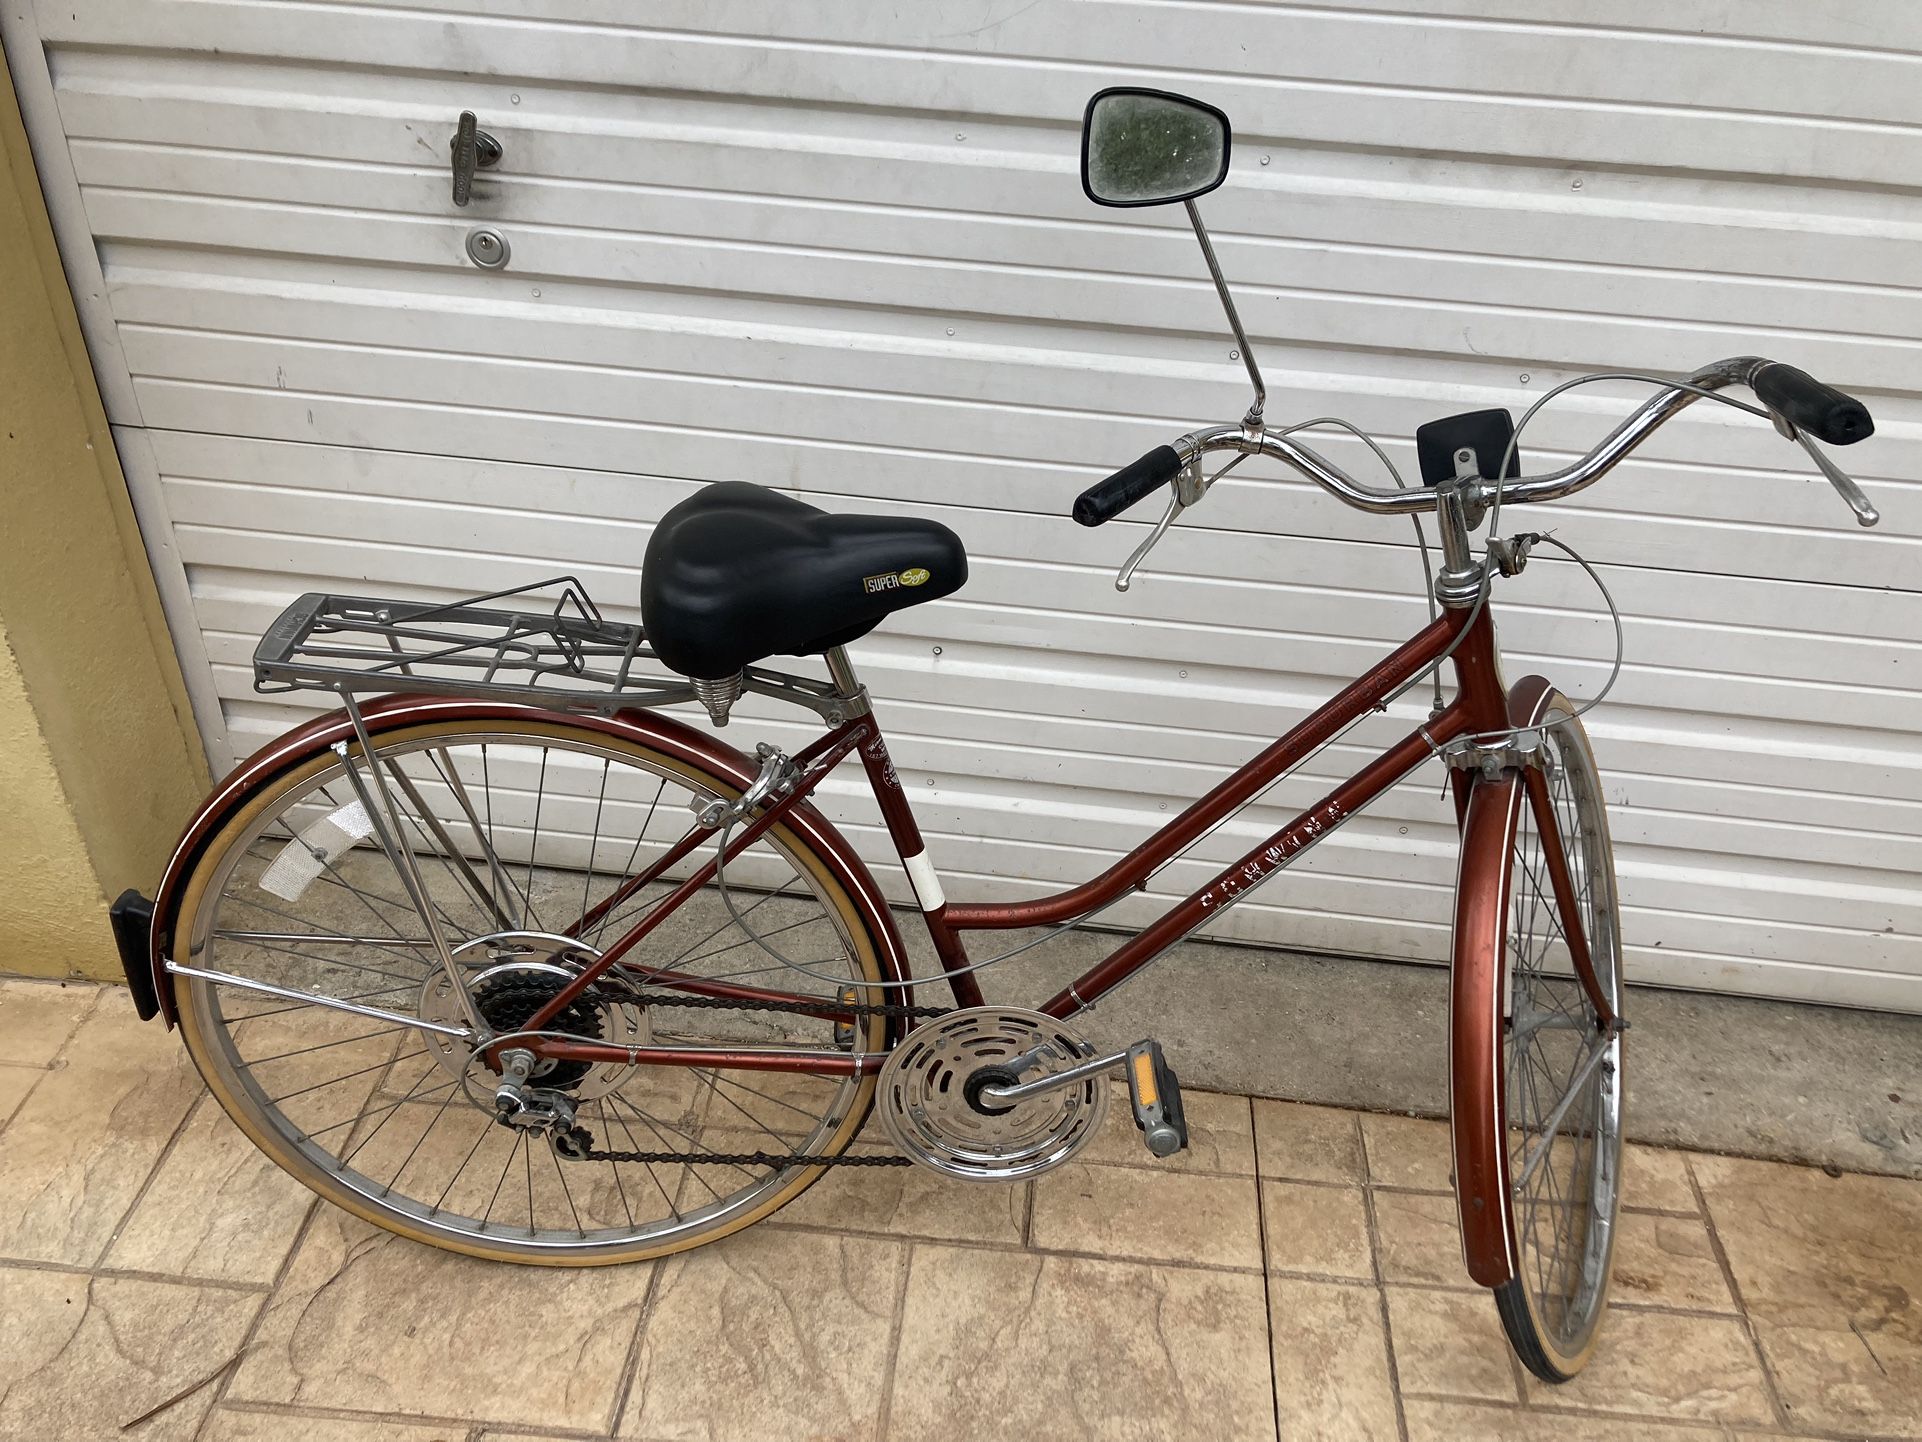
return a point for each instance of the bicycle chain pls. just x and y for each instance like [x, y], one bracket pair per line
[581, 1138]
[889, 1009]
[591, 1153]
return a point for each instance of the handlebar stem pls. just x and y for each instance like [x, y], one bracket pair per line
[1458, 511]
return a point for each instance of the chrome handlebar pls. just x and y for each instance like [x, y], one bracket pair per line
[1248, 440]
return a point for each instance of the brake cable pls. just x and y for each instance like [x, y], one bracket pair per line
[1488, 566]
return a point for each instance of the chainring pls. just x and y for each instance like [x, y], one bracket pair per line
[930, 1104]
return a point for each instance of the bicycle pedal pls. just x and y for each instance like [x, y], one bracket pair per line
[1155, 1091]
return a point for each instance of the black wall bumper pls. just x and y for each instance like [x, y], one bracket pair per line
[132, 918]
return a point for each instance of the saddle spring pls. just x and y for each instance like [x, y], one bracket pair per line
[719, 695]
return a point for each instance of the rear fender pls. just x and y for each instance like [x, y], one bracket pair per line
[390, 713]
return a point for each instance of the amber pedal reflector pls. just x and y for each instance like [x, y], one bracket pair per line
[1145, 1093]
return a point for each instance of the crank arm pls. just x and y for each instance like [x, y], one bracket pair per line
[1012, 1092]
[1152, 1087]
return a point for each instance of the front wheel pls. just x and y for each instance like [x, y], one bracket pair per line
[1553, 1123]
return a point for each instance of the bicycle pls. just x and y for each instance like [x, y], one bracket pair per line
[460, 957]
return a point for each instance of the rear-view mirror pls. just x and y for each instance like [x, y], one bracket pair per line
[1148, 147]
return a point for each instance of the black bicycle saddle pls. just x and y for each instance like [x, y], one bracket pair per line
[737, 572]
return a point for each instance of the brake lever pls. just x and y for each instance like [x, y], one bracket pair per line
[1189, 487]
[1865, 511]
[1124, 578]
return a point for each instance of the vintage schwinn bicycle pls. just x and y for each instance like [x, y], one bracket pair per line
[500, 958]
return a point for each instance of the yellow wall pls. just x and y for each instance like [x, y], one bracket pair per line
[51, 908]
[100, 762]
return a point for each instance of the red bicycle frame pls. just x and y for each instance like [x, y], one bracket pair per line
[1488, 805]
[1464, 635]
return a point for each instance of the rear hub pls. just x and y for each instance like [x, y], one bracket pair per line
[511, 975]
[509, 1000]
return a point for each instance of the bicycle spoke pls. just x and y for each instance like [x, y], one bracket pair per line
[671, 964]
[363, 1113]
[600, 1106]
[685, 1143]
[349, 1076]
[527, 1165]
[253, 939]
[440, 845]
[389, 947]
[503, 883]
[534, 846]
[715, 1079]
[414, 1150]
[501, 1181]
[750, 940]
[447, 1190]
[633, 854]
[317, 1006]
[321, 1046]
[331, 876]
[560, 1175]
[594, 845]
[406, 1097]
[712, 1082]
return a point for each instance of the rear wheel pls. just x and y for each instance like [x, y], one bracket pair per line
[1560, 1106]
[519, 829]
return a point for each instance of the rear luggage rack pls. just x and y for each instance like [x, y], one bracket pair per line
[555, 650]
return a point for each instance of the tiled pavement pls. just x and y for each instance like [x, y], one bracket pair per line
[1297, 1272]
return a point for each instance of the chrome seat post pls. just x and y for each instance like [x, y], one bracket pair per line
[847, 686]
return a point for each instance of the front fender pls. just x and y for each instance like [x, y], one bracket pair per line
[1475, 1079]
[390, 713]
[1490, 809]
[1527, 699]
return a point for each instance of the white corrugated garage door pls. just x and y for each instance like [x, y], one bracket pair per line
[840, 249]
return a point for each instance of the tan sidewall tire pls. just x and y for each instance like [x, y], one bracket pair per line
[1518, 1292]
[187, 992]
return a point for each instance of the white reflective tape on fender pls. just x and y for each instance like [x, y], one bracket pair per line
[927, 886]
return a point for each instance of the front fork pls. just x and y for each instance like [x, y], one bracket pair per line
[1526, 756]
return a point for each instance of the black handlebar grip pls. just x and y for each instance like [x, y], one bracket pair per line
[1107, 499]
[1808, 405]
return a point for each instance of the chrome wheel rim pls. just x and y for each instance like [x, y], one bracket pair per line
[374, 1111]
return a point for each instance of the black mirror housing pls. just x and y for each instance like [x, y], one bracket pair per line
[1151, 147]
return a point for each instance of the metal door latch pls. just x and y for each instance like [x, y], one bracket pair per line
[473, 148]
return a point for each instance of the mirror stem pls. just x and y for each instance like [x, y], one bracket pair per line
[1253, 417]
